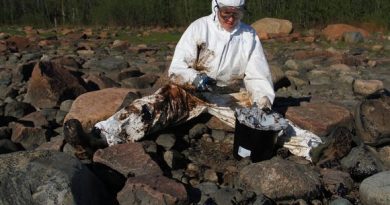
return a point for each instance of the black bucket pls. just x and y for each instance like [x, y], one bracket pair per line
[256, 141]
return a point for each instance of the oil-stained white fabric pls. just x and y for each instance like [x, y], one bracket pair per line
[226, 56]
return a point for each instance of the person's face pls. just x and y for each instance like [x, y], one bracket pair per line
[229, 17]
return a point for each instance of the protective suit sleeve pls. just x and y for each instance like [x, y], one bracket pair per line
[258, 80]
[181, 70]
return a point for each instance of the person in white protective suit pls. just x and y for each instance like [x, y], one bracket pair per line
[220, 49]
[216, 51]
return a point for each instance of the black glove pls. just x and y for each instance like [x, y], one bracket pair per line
[203, 83]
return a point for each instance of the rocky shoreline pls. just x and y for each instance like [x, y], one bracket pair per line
[332, 85]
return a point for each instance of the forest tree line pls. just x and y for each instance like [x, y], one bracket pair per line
[171, 13]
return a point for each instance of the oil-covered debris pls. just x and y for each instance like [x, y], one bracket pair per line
[256, 118]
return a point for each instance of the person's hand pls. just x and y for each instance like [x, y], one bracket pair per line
[264, 103]
[203, 83]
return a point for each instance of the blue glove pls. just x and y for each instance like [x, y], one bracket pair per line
[203, 83]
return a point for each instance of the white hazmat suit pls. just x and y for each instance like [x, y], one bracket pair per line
[206, 47]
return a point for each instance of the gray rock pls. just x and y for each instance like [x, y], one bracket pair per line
[66, 105]
[174, 159]
[47, 177]
[150, 147]
[218, 135]
[280, 180]
[361, 163]
[152, 190]
[340, 201]
[129, 73]
[197, 131]
[384, 155]
[18, 109]
[5, 133]
[372, 120]
[206, 190]
[166, 140]
[7, 91]
[210, 193]
[375, 190]
[5, 77]
[154, 68]
[30, 56]
[60, 116]
[111, 63]
[291, 64]
[7, 146]
[279, 79]
[145, 81]
[319, 77]
[353, 37]
[210, 175]
[49, 113]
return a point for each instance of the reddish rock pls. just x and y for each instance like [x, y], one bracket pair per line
[55, 144]
[29, 137]
[215, 124]
[51, 83]
[334, 180]
[319, 118]
[37, 118]
[263, 35]
[336, 31]
[152, 190]
[129, 159]
[17, 43]
[309, 39]
[96, 106]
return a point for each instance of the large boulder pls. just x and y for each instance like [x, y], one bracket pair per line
[367, 87]
[335, 31]
[372, 120]
[319, 118]
[375, 190]
[361, 163]
[48, 177]
[96, 106]
[281, 180]
[272, 26]
[52, 83]
[152, 190]
[129, 159]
